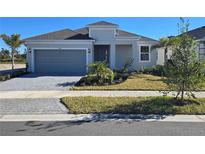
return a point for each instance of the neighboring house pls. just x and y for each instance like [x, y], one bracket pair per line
[71, 51]
[198, 34]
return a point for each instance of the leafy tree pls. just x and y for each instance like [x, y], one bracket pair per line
[184, 71]
[14, 43]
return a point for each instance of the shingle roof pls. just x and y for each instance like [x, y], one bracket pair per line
[64, 34]
[143, 38]
[82, 34]
[198, 33]
[122, 33]
[82, 30]
[80, 37]
[102, 23]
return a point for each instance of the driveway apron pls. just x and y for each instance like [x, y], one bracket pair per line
[31, 106]
[36, 83]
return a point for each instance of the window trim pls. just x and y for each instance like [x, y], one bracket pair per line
[140, 53]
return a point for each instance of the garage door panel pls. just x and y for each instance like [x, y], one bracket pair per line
[71, 62]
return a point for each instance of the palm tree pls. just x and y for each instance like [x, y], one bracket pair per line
[14, 43]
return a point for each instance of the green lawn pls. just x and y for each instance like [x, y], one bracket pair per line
[132, 105]
[134, 82]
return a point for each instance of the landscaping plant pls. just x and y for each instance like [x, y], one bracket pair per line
[99, 74]
[155, 70]
[184, 71]
[127, 65]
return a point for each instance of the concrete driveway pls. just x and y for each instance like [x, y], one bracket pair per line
[39, 82]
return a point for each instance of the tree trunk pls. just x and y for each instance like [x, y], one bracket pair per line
[12, 56]
[182, 95]
[165, 54]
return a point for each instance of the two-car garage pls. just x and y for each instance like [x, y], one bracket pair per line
[60, 61]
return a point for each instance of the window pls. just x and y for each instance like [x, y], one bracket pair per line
[144, 53]
[201, 50]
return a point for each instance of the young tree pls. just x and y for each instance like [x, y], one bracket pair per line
[14, 43]
[184, 71]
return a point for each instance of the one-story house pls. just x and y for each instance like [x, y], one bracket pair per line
[71, 51]
[198, 34]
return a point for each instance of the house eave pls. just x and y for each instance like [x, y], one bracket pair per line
[102, 26]
[127, 38]
[58, 41]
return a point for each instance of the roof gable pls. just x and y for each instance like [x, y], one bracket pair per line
[102, 23]
[120, 33]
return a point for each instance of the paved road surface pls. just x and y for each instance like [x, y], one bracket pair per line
[111, 128]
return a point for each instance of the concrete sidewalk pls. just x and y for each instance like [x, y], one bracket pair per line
[59, 94]
[104, 117]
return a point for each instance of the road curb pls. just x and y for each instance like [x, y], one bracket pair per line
[103, 117]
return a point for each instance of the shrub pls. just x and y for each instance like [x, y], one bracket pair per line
[4, 77]
[99, 74]
[155, 70]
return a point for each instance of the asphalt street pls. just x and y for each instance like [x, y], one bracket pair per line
[102, 128]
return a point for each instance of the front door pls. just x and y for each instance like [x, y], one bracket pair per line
[101, 53]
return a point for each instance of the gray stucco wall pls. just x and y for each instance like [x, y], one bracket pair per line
[151, 63]
[123, 54]
[103, 36]
[153, 56]
[28, 59]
